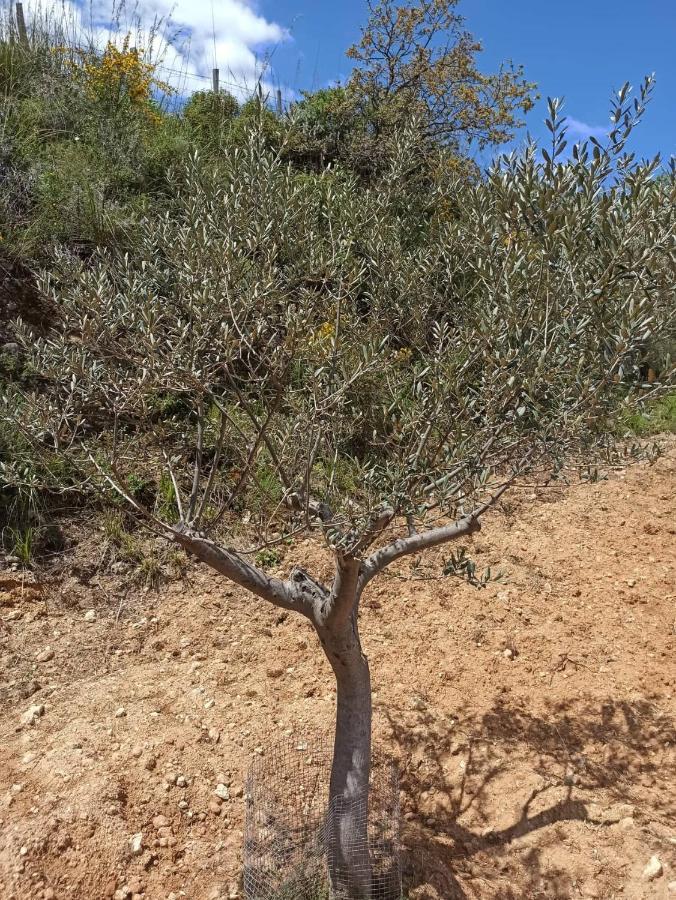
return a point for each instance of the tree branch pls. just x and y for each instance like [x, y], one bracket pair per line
[470, 523]
[286, 594]
[344, 593]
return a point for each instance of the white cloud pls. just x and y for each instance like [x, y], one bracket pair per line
[191, 37]
[579, 129]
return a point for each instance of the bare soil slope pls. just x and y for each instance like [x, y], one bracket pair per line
[534, 721]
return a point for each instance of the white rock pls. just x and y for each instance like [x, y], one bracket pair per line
[45, 655]
[671, 887]
[653, 868]
[90, 615]
[222, 791]
[120, 713]
[136, 843]
[32, 714]
[182, 781]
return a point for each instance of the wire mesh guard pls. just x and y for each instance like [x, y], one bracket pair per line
[287, 852]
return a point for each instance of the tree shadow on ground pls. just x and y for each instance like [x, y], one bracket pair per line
[473, 784]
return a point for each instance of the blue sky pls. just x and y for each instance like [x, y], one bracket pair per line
[580, 50]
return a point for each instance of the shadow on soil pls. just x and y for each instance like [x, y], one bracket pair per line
[543, 766]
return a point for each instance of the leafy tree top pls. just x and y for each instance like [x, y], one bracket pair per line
[418, 58]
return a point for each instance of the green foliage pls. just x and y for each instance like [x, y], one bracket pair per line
[81, 139]
[167, 508]
[268, 558]
[330, 303]
[20, 542]
[257, 115]
[657, 417]
[209, 118]
[462, 566]
[317, 337]
[417, 59]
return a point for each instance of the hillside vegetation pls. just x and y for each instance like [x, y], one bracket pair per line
[95, 152]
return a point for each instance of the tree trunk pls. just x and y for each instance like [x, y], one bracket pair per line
[347, 825]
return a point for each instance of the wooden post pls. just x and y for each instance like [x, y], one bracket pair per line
[214, 80]
[21, 23]
[280, 108]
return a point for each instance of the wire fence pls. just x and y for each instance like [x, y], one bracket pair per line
[288, 850]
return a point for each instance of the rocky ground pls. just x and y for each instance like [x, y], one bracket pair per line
[533, 720]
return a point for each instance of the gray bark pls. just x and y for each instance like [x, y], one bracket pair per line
[347, 823]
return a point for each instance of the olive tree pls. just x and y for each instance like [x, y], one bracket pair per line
[285, 353]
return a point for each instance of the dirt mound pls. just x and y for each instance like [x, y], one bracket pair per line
[533, 720]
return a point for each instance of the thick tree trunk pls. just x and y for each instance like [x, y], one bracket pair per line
[347, 825]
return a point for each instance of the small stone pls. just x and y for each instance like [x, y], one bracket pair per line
[45, 655]
[615, 814]
[631, 582]
[48, 894]
[209, 704]
[274, 671]
[653, 869]
[214, 735]
[181, 781]
[150, 763]
[215, 807]
[183, 804]
[508, 653]
[419, 704]
[135, 885]
[32, 714]
[160, 822]
[120, 713]
[671, 887]
[222, 791]
[136, 843]
[29, 688]
[90, 615]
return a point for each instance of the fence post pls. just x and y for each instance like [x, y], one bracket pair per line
[21, 23]
[280, 109]
[214, 80]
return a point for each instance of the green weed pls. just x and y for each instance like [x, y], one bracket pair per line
[658, 417]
